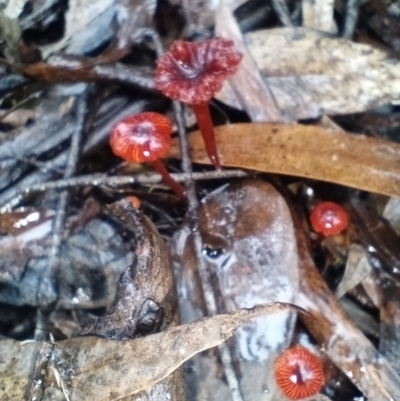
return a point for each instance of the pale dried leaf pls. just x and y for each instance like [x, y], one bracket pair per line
[318, 14]
[95, 369]
[357, 269]
[310, 73]
[10, 35]
[199, 15]
[307, 151]
[78, 19]
[392, 213]
[14, 8]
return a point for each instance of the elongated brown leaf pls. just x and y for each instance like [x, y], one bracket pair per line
[95, 369]
[357, 161]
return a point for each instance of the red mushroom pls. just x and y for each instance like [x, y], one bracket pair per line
[299, 373]
[329, 218]
[193, 73]
[145, 137]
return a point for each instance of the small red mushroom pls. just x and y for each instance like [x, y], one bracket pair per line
[145, 137]
[192, 73]
[329, 218]
[299, 373]
[134, 201]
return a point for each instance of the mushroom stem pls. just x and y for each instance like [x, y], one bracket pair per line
[202, 112]
[160, 168]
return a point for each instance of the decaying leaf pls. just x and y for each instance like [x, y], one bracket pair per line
[250, 251]
[343, 342]
[88, 20]
[92, 258]
[357, 269]
[337, 335]
[199, 15]
[146, 300]
[310, 73]
[94, 369]
[307, 151]
[10, 35]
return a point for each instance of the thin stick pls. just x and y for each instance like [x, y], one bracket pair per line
[282, 11]
[209, 297]
[61, 214]
[102, 180]
[34, 95]
[352, 10]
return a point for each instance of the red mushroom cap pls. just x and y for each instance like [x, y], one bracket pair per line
[193, 72]
[329, 218]
[299, 373]
[141, 138]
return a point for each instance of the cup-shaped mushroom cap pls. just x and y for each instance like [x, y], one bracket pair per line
[299, 373]
[329, 218]
[193, 72]
[141, 138]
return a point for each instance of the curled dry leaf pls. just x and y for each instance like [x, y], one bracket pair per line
[146, 300]
[95, 369]
[356, 161]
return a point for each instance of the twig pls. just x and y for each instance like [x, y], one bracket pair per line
[205, 279]
[46, 166]
[34, 95]
[41, 175]
[352, 9]
[62, 207]
[99, 180]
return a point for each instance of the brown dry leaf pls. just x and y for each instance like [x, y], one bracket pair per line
[309, 73]
[357, 161]
[95, 369]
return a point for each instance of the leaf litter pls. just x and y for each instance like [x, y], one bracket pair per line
[75, 266]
